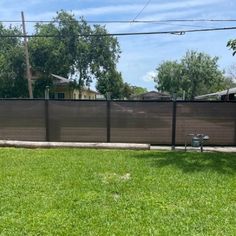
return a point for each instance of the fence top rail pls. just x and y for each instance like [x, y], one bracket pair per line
[203, 101]
[171, 101]
[123, 101]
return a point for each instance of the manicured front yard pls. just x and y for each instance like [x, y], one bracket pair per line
[104, 192]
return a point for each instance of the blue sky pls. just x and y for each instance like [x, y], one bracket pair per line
[142, 54]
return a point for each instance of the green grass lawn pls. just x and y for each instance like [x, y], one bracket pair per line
[104, 192]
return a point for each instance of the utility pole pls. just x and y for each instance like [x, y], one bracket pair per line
[28, 72]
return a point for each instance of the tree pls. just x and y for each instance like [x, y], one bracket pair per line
[78, 50]
[111, 83]
[196, 73]
[105, 51]
[136, 90]
[232, 73]
[65, 46]
[170, 77]
[232, 45]
[230, 77]
[127, 90]
[131, 90]
[12, 65]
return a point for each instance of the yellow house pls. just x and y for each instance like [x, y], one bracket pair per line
[63, 91]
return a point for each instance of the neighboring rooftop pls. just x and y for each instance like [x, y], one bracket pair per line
[230, 93]
[59, 80]
[152, 95]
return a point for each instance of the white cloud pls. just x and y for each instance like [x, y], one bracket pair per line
[149, 76]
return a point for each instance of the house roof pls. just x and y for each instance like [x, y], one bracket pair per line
[62, 81]
[156, 93]
[220, 93]
[153, 94]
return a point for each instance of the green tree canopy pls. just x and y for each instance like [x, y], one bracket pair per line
[131, 90]
[111, 83]
[195, 74]
[232, 72]
[136, 90]
[232, 45]
[12, 66]
[75, 52]
[65, 46]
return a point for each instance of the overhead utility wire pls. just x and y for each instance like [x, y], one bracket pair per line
[141, 11]
[175, 32]
[114, 22]
[123, 21]
[182, 25]
[200, 20]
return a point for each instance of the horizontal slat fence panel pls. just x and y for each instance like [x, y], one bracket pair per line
[141, 122]
[216, 119]
[22, 120]
[77, 121]
[117, 121]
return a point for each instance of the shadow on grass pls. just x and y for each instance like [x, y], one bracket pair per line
[224, 163]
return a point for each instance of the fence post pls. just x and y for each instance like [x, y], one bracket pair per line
[173, 125]
[235, 133]
[46, 110]
[108, 121]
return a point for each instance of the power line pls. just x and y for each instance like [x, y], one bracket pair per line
[174, 32]
[124, 21]
[113, 22]
[182, 25]
[141, 11]
[200, 20]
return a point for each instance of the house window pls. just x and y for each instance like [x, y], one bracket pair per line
[61, 95]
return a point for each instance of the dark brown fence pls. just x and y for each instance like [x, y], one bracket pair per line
[155, 122]
[81, 121]
[148, 122]
[22, 120]
[216, 119]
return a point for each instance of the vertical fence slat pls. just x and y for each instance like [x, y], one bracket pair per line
[46, 116]
[235, 132]
[108, 121]
[173, 125]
